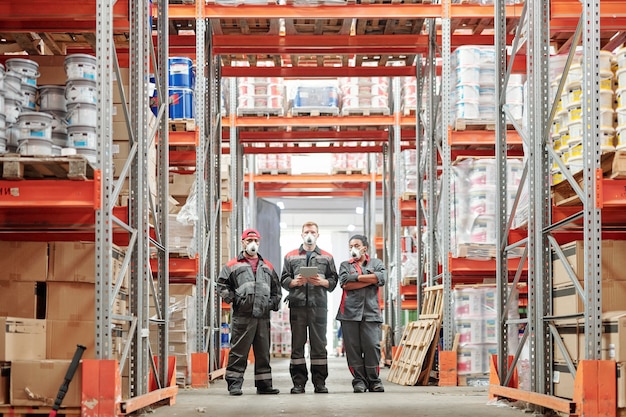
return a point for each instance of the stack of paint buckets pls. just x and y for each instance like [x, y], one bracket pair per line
[52, 102]
[81, 98]
[29, 131]
[181, 83]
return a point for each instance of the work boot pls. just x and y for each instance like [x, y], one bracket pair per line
[377, 387]
[297, 389]
[321, 389]
[359, 387]
[235, 391]
[267, 390]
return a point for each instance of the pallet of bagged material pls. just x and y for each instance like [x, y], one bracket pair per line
[315, 111]
[365, 111]
[477, 250]
[261, 111]
[19, 167]
[182, 125]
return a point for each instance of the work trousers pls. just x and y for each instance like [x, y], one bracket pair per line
[314, 320]
[362, 343]
[249, 332]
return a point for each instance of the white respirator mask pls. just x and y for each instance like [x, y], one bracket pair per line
[355, 253]
[252, 248]
[309, 239]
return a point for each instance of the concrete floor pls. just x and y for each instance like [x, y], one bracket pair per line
[397, 400]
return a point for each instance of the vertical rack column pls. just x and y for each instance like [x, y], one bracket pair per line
[446, 184]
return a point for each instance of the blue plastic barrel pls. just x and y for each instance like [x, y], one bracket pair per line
[225, 336]
[179, 71]
[181, 103]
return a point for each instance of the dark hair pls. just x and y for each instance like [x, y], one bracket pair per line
[362, 238]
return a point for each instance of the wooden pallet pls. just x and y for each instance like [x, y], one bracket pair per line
[346, 171]
[315, 111]
[24, 411]
[182, 125]
[408, 195]
[477, 124]
[19, 167]
[273, 172]
[365, 111]
[407, 363]
[415, 355]
[261, 111]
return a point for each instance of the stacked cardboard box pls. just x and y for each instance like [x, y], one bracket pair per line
[280, 332]
[566, 301]
[181, 330]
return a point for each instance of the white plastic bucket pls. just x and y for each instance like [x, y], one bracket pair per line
[52, 97]
[81, 91]
[35, 125]
[575, 132]
[620, 96]
[466, 55]
[29, 97]
[621, 77]
[606, 61]
[60, 139]
[487, 111]
[59, 124]
[483, 229]
[12, 84]
[515, 93]
[607, 117]
[82, 114]
[607, 98]
[82, 137]
[620, 140]
[80, 66]
[487, 76]
[56, 150]
[467, 109]
[467, 74]
[621, 117]
[35, 146]
[467, 91]
[27, 69]
[574, 76]
[487, 95]
[620, 57]
[574, 93]
[13, 134]
[607, 140]
[245, 89]
[574, 113]
[606, 80]
[12, 109]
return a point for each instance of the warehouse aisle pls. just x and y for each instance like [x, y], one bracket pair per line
[399, 401]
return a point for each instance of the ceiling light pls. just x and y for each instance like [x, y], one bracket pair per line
[351, 228]
[359, 210]
[281, 205]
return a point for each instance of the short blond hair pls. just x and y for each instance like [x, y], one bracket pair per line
[310, 224]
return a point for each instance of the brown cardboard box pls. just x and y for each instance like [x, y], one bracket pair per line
[76, 261]
[5, 372]
[18, 299]
[565, 300]
[71, 301]
[22, 338]
[613, 341]
[23, 261]
[563, 381]
[62, 337]
[180, 184]
[613, 263]
[42, 379]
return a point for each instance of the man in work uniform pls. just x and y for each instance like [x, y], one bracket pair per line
[252, 286]
[308, 308]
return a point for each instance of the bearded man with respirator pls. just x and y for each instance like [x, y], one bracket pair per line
[360, 314]
[252, 286]
[309, 274]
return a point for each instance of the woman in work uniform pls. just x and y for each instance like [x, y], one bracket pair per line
[359, 313]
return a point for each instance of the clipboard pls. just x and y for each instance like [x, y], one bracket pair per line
[308, 271]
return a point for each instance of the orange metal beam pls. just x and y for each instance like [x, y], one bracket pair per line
[318, 121]
[314, 135]
[280, 193]
[313, 178]
[45, 193]
[481, 137]
[357, 11]
[252, 150]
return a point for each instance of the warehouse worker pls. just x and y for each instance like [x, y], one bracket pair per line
[308, 308]
[359, 313]
[252, 286]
